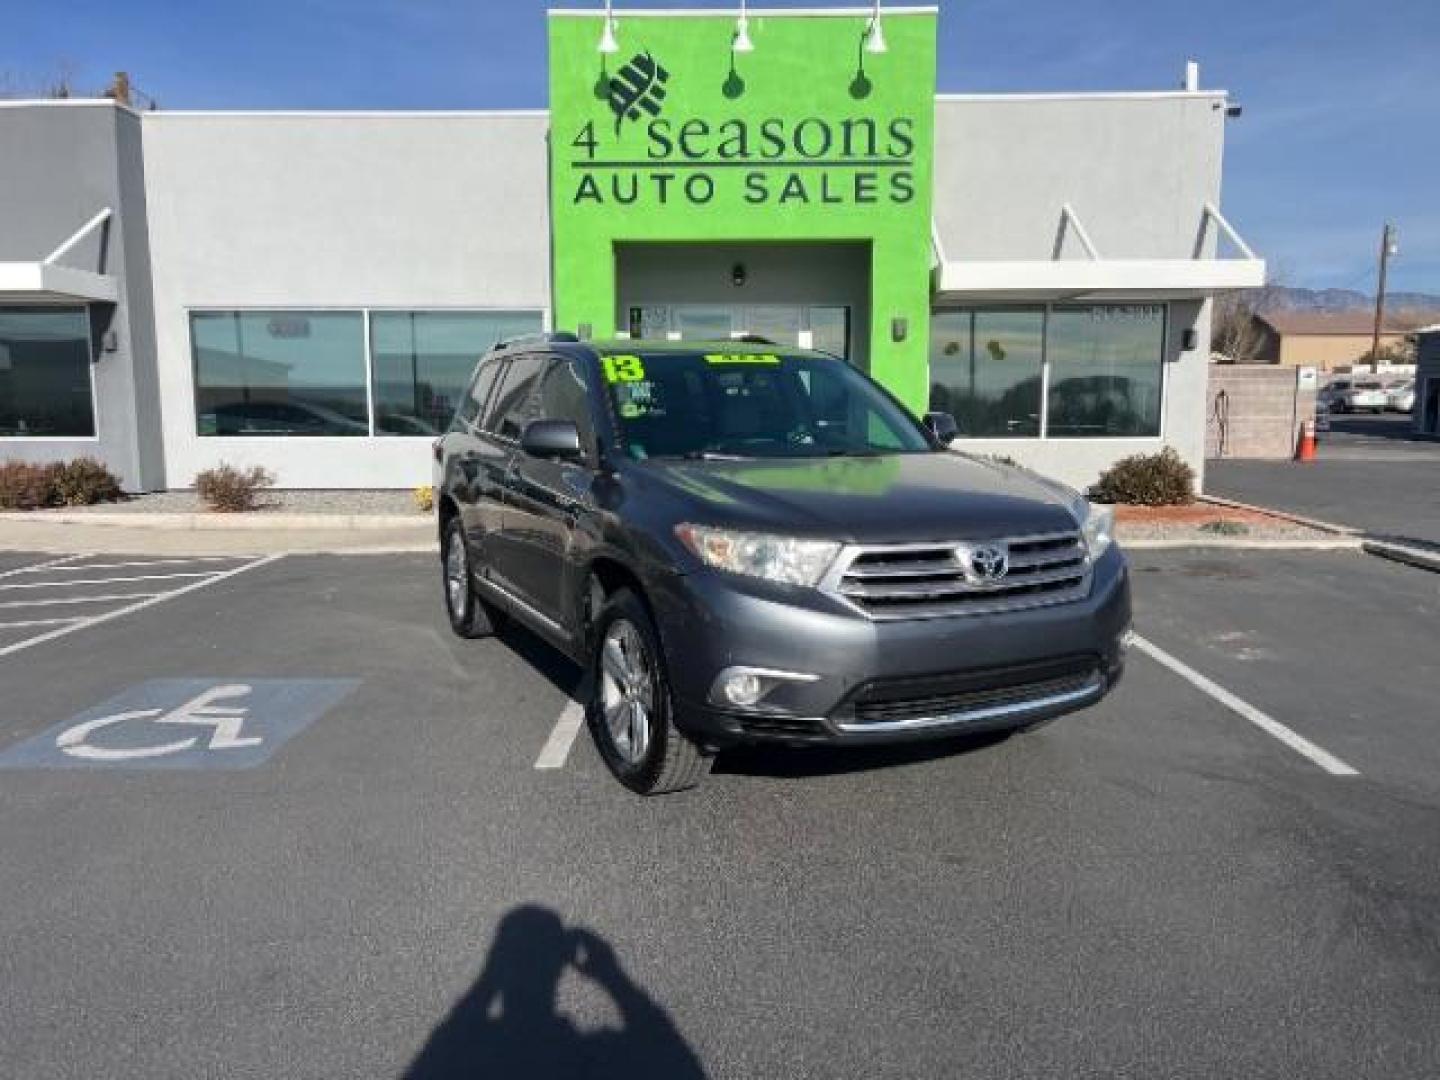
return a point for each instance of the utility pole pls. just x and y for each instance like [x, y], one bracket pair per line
[1388, 247]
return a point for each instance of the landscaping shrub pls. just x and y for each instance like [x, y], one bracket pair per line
[424, 497]
[85, 482]
[81, 482]
[231, 490]
[1161, 479]
[24, 486]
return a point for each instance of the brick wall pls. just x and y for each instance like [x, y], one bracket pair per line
[1254, 411]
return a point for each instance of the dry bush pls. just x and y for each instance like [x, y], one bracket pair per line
[85, 482]
[230, 490]
[24, 486]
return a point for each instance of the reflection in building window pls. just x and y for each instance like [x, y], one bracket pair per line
[279, 373]
[45, 373]
[985, 370]
[421, 362]
[1105, 369]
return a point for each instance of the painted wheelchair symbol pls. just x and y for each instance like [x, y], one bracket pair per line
[224, 721]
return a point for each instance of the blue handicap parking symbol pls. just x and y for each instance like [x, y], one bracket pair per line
[183, 724]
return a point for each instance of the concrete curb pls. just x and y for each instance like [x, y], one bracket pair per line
[1344, 543]
[1409, 554]
[1418, 555]
[257, 520]
[1283, 515]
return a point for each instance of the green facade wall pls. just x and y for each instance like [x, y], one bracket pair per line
[808, 138]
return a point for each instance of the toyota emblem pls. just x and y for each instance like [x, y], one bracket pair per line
[987, 562]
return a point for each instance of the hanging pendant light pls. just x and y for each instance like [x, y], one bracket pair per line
[875, 34]
[608, 44]
[742, 42]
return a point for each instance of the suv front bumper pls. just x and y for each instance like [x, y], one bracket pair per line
[884, 681]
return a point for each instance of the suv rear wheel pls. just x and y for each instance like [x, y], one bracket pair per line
[470, 616]
[630, 710]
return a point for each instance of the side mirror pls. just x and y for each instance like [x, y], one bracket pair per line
[552, 439]
[942, 425]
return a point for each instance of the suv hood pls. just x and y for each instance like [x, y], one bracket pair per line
[896, 498]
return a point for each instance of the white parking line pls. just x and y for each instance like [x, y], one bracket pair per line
[38, 622]
[47, 564]
[128, 609]
[77, 600]
[1266, 723]
[106, 580]
[58, 564]
[562, 737]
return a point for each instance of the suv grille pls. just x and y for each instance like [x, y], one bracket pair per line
[920, 581]
[891, 701]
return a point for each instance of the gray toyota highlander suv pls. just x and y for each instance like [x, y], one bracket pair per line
[748, 543]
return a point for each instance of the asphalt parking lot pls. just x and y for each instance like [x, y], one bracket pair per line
[1371, 474]
[331, 852]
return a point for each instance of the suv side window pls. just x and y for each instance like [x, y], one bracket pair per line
[469, 412]
[515, 404]
[565, 395]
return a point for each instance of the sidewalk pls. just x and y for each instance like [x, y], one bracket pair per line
[215, 534]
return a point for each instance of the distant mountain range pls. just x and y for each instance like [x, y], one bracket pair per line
[1282, 298]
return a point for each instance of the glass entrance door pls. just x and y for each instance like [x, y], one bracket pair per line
[824, 327]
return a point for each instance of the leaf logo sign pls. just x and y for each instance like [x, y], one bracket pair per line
[640, 84]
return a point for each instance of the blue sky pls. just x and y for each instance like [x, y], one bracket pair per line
[1342, 97]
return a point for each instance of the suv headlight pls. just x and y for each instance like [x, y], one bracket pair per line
[774, 558]
[1097, 524]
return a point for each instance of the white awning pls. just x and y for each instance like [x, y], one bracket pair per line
[45, 281]
[1099, 278]
[42, 283]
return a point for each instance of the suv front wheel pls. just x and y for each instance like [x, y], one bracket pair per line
[630, 710]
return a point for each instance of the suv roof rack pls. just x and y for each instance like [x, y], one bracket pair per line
[547, 337]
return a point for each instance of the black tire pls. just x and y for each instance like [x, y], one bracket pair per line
[470, 616]
[666, 759]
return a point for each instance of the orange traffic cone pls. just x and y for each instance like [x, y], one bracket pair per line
[1306, 450]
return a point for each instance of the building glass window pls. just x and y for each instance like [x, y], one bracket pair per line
[830, 330]
[292, 373]
[45, 387]
[421, 362]
[1106, 362]
[985, 369]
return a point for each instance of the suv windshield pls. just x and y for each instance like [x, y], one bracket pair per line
[753, 404]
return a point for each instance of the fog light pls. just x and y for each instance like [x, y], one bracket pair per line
[742, 688]
[748, 688]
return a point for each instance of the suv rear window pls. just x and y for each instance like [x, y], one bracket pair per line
[750, 404]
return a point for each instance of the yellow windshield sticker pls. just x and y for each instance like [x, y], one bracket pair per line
[766, 359]
[623, 368]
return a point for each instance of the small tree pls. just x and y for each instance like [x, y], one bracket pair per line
[1401, 352]
[1235, 332]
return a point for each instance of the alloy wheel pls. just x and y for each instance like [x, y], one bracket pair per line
[457, 585]
[627, 690]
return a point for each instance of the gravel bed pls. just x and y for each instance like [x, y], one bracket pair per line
[1276, 531]
[387, 501]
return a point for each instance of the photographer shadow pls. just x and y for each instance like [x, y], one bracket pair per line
[507, 1024]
